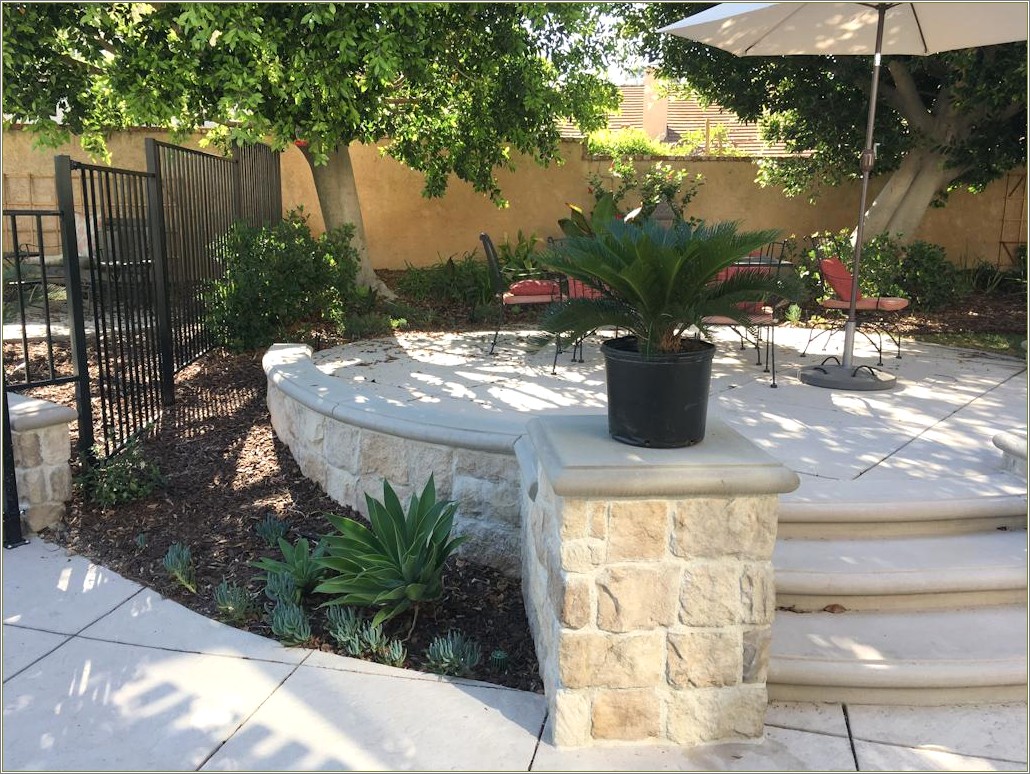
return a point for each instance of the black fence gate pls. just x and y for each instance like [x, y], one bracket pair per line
[128, 258]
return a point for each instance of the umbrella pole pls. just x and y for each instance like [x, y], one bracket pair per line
[868, 158]
[847, 376]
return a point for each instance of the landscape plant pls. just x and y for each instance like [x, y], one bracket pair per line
[657, 283]
[289, 623]
[277, 278]
[271, 528]
[397, 561]
[178, 562]
[121, 478]
[299, 561]
[453, 654]
[234, 602]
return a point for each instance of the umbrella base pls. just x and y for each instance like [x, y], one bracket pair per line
[839, 377]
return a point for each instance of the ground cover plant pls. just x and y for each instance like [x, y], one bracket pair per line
[232, 490]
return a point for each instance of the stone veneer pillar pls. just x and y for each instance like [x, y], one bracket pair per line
[648, 582]
[41, 445]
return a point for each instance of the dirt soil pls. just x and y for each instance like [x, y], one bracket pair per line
[226, 471]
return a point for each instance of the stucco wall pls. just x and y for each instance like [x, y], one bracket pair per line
[403, 227]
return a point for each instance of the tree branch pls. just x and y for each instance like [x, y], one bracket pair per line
[905, 97]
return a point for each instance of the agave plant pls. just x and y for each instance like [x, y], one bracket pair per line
[395, 563]
[299, 561]
[658, 283]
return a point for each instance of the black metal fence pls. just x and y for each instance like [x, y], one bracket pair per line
[108, 291]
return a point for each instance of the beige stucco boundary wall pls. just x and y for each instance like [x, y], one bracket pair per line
[404, 228]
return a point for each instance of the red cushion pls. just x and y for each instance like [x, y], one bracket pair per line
[579, 289]
[532, 287]
[838, 277]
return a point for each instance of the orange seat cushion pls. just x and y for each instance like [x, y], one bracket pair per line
[579, 289]
[533, 287]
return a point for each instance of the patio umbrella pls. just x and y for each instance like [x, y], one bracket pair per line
[842, 29]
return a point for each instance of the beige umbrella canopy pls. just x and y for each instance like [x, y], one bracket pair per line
[851, 29]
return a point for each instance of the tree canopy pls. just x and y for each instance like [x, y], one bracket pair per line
[956, 119]
[455, 87]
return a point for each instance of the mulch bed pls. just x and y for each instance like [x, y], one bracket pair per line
[226, 471]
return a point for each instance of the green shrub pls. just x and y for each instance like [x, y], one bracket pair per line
[520, 259]
[290, 623]
[658, 182]
[279, 277]
[299, 561]
[234, 602]
[178, 562]
[919, 271]
[121, 478]
[368, 325]
[395, 563]
[453, 654]
[465, 281]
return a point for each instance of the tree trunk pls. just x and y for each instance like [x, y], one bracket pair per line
[338, 198]
[901, 204]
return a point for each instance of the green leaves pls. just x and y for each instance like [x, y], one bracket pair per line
[396, 563]
[299, 562]
[656, 282]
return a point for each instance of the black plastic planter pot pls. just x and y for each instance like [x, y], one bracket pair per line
[659, 401]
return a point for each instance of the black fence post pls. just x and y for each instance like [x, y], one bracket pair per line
[76, 310]
[12, 508]
[162, 309]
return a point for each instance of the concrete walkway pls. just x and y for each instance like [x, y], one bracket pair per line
[100, 673]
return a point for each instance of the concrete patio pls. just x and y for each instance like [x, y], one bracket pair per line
[100, 673]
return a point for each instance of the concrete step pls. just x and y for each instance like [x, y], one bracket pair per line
[920, 573]
[955, 656]
[901, 506]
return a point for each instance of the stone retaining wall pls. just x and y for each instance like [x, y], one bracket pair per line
[41, 445]
[347, 444]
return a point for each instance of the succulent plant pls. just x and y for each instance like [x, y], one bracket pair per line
[453, 654]
[234, 602]
[272, 529]
[281, 587]
[290, 623]
[178, 561]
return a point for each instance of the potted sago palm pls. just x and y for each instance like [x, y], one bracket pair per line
[659, 284]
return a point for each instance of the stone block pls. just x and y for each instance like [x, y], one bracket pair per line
[43, 516]
[31, 485]
[755, 654]
[480, 498]
[590, 659]
[582, 555]
[637, 596]
[705, 658]
[716, 714]
[577, 609]
[597, 526]
[55, 445]
[342, 445]
[757, 593]
[633, 715]
[495, 545]
[705, 527]
[710, 593]
[571, 713]
[384, 456]
[638, 530]
[574, 518]
[59, 483]
[311, 463]
[480, 464]
[425, 459]
[342, 486]
[27, 450]
[306, 425]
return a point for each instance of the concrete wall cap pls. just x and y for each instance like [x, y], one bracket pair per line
[34, 413]
[581, 460]
[1013, 443]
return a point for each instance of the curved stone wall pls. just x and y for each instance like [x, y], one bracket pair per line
[348, 441]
